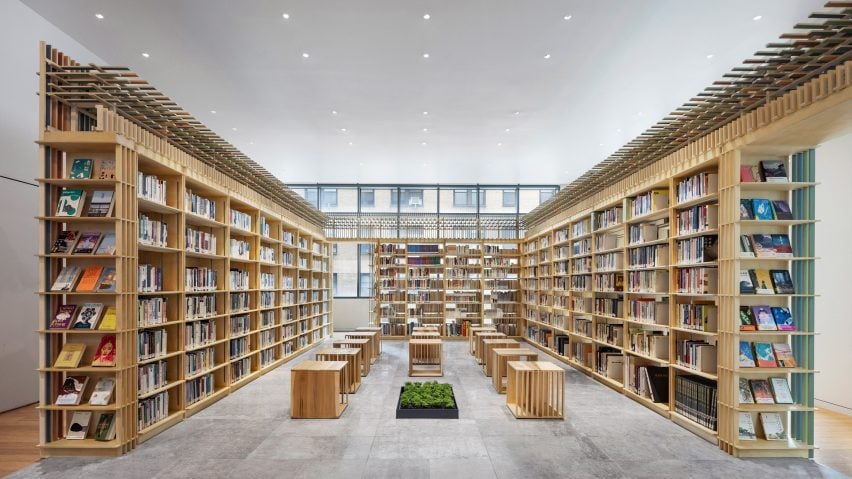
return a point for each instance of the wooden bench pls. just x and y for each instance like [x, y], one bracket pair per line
[425, 358]
[352, 374]
[535, 390]
[316, 391]
[500, 357]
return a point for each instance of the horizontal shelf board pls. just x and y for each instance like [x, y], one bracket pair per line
[648, 243]
[146, 205]
[644, 356]
[774, 222]
[709, 232]
[706, 430]
[607, 229]
[647, 268]
[236, 230]
[695, 331]
[79, 407]
[156, 249]
[766, 186]
[198, 220]
[172, 354]
[778, 370]
[154, 392]
[652, 216]
[82, 183]
[697, 201]
[764, 445]
[696, 372]
[174, 417]
[204, 346]
[196, 375]
[79, 219]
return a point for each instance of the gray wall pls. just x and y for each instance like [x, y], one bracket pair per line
[21, 32]
[351, 313]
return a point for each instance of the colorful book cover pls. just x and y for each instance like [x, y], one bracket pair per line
[746, 211]
[106, 169]
[781, 390]
[764, 319]
[109, 320]
[745, 174]
[89, 281]
[782, 246]
[67, 279]
[765, 356]
[88, 316]
[72, 390]
[70, 356]
[784, 355]
[773, 426]
[79, 426]
[782, 210]
[63, 317]
[81, 169]
[105, 428]
[761, 391]
[755, 173]
[746, 283]
[105, 354]
[70, 202]
[107, 246]
[783, 318]
[745, 392]
[747, 322]
[746, 356]
[746, 427]
[773, 171]
[762, 281]
[762, 209]
[763, 246]
[106, 283]
[88, 242]
[65, 242]
[102, 393]
[100, 204]
[782, 282]
[746, 248]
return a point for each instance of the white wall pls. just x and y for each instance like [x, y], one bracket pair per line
[833, 387]
[19, 37]
[351, 313]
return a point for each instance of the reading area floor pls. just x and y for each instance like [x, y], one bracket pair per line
[250, 434]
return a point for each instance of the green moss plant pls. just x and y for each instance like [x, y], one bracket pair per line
[427, 395]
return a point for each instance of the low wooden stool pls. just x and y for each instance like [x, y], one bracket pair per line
[482, 335]
[425, 335]
[352, 356]
[377, 329]
[423, 357]
[317, 390]
[374, 342]
[357, 343]
[535, 389]
[499, 358]
[472, 336]
[488, 345]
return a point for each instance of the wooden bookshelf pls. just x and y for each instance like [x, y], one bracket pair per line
[182, 343]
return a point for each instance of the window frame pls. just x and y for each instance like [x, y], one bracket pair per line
[514, 203]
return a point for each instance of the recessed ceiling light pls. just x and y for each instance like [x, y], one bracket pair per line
[618, 130]
[710, 56]
[547, 56]
[425, 55]
[567, 17]
[507, 130]
[99, 16]
[213, 111]
[333, 112]
[146, 55]
[757, 17]
[350, 144]
[640, 113]
[425, 113]
[360, 164]
[427, 16]
[423, 143]
[567, 172]
[600, 144]
[285, 16]
[425, 130]
[343, 130]
[251, 143]
[234, 128]
[516, 113]
[306, 55]
[499, 144]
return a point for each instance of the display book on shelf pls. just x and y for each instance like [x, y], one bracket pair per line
[450, 284]
[642, 295]
[155, 301]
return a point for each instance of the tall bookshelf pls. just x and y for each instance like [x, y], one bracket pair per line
[450, 284]
[215, 285]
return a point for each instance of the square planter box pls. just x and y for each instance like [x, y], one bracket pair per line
[414, 413]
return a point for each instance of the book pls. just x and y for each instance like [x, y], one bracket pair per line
[781, 390]
[65, 242]
[72, 390]
[88, 242]
[105, 428]
[67, 279]
[71, 202]
[89, 280]
[762, 392]
[782, 210]
[746, 211]
[762, 209]
[70, 356]
[88, 317]
[783, 318]
[102, 394]
[81, 169]
[782, 246]
[764, 355]
[79, 426]
[773, 426]
[784, 355]
[107, 245]
[747, 322]
[746, 284]
[763, 246]
[106, 169]
[101, 203]
[105, 354]
[745, 174]
[764, 319]
[745, 392]
[109, 320]
[746, 248]
[746, 427]
[658, 382]
[773, 171]
[746, 356]
[64, 315]
[761, 280]
[106, 283]
[781, 281]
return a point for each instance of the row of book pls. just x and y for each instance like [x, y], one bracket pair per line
[92, 279]
[763, 281]
[72, 353]
[86, 316]
[84, 169]
[87, 242]
[766, 355]
[152, 232]
[763, 209]
[72, 202]
[151, 187]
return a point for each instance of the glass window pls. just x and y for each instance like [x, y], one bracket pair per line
[346, 270]
[467, 198]
[334, 249]
[334, 281]
[368, 198]
[544, 195]
[309, 194]
[510, 198]
[365, 249]
[411, 198]
[329, 197]
[365, 285]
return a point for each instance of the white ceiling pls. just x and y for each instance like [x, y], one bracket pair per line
[615, 68]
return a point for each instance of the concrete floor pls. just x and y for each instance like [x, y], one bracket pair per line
[250, 434]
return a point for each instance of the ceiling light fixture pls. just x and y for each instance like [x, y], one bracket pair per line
[757, 17]
[710, 56]
[425, 113]
[499, 144]
[334, 112]
[618, 130]
[547, 56]
[425, 55]
[285, 16]
[343, 130]
[350, 144]
[427, 16]
[234, 128]
[361, 164]
[99, 16]
[507, 130]
[306, 55]
[567, 17]
[425, 130]
[251, 143]
[516, 113]
[213, 111]
[423, 143]
[146, 55]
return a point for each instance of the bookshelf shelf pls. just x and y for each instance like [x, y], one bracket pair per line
[763, 186]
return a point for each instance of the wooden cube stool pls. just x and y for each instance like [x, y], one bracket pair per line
[352, 373]
[482, 335]
[472, 336]
[488, 345]
[425, 358]
[377, 329]
[425, 335]
[535, 389]
[500, 357]
[316, 391]
[357, 343]
[374, 342]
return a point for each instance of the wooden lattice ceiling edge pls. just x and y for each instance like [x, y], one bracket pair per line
[817, 46]
[84, 88]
